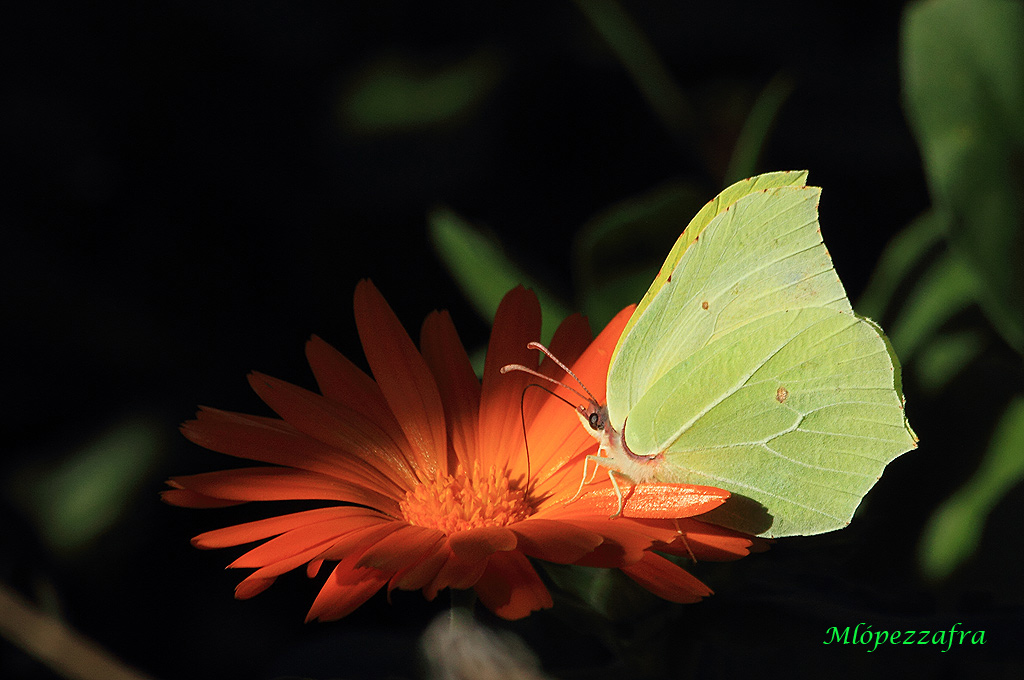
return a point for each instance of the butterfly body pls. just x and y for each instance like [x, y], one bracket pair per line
[612, 450]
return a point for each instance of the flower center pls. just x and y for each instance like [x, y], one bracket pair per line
[465, 501]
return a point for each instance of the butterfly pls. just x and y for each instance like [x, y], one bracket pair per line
[745, 368]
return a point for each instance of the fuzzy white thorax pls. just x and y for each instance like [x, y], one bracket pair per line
[612, 451]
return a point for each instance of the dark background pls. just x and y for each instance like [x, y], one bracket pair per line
[185, 202]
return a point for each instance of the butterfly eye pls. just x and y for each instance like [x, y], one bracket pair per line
[595, 421]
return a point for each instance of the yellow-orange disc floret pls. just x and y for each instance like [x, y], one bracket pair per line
[463, 501]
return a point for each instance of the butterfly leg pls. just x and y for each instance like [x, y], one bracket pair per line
[584, 481]
[618, 493]
[682, 537]
[598, 461]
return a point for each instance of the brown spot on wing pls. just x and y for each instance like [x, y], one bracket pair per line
[781, 394]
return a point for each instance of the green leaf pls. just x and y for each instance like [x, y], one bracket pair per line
[606, 591]
[482, 270]
[394, 94]
[944, 290]
[75, 500]
[758, 124]
[604, 299]
[955, 528]
[945, 356]
[617, 252]
[631, 47]
[902, 254]
[963, 72]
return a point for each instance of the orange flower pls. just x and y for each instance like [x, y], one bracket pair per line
[431, 474]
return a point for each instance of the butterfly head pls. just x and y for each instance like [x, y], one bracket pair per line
[594, 417]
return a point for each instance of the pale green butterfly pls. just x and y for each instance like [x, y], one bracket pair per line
[745, 368]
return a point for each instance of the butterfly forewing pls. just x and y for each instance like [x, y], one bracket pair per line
[761, 255]
[704, 216]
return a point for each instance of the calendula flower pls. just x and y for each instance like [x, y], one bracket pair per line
[429, 471]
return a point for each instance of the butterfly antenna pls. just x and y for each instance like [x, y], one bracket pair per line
[526, 369]
[549, 355]
[508, 368]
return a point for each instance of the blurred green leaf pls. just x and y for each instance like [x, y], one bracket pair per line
[606, 591]
[954, 529]
[639, 58]
[75, 500]
[617, 253]
[398, 95]
[743, 163]
[901, 255]
[963, 72]
[483, 271]
[944, 290]
[945, 356]
[605, 299]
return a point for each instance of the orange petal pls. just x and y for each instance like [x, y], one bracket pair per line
[592, 367]
[345, 590]
[251, 586]
[456, 573]
[342, 381]
[477, 543]
[558, 446]
[270, 440]
[274, 526]
[317, 536]
[418, 574]
[458, 384]
[516, 323]
[286, 564]
[404, 379]
[553, 541]
[650, 500]
[556, 436]
[625, 540]
[191, 499]
[282, 484]
[570, 340]
[511, 588]
[710, 542]
[400, 549]
[336, 426]
[666, 580]
[357, 542]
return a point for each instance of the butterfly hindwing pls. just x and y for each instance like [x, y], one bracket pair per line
[795, 410]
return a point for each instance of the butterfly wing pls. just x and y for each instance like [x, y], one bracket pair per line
[749, 369]
[796, 410]
[758, 254]
[711, 209]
